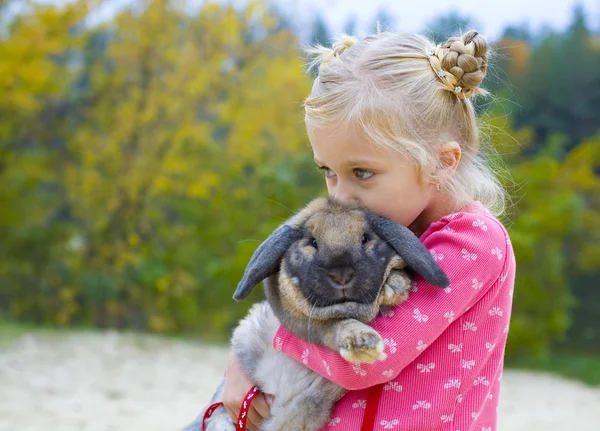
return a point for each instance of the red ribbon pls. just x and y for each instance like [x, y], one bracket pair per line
[371, 410]
[368, 420]
[243, 414]
[208, 413]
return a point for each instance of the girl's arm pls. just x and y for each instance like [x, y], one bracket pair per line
[472, 250]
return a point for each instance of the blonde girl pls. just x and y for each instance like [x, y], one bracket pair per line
[391, 123]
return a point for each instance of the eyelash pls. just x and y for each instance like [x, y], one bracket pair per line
[325, 169]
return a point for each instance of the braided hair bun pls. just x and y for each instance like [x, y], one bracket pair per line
[461, 63]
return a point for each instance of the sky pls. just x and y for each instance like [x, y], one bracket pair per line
[492, 16]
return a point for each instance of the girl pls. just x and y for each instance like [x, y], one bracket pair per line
[391, 124]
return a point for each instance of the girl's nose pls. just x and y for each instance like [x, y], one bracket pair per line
[343, 193]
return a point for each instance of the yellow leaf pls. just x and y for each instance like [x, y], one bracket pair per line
[133, 240]
[162, 284]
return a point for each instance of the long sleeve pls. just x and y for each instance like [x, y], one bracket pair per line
[471, 248]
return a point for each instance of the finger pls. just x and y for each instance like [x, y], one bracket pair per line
[254, 420]
[251, 427]
[262, 408]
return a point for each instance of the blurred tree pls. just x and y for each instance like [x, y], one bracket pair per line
[507, 64]
[174, 154]
[516, 54]
[521, 32]
[320, 32]
[584, 333]
[351, 25]
[174, 150]
[144, 159]
[283, 18]
[560, 92]
[557, 205]
[383, 20]
[35, 73]
[451, 24]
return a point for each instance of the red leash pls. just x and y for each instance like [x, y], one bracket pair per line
[243, 414]
[208, 413]
[368, 420]
[371, 410]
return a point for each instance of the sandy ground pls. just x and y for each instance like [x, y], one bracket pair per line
[109, 381]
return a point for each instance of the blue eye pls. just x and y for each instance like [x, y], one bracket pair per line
[365, 238]
[314, 243]
[363, 174]
[328, 172]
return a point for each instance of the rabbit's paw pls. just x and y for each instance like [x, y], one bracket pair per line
[396, 289]
[361, 344]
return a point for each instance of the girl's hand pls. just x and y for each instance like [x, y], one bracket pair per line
[234, 390]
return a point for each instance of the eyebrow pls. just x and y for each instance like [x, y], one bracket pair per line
[354, 163]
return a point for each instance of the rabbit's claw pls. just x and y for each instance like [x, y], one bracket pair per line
[396, 289]
[361, 344]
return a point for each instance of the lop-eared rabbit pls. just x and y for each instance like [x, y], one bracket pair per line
[327, 272]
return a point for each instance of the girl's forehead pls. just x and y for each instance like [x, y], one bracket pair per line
[345, 131]
[344, 144]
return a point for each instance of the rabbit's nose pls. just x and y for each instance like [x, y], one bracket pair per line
[341, 276]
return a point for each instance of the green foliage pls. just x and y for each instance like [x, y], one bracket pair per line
[556, 196]
[550, 85]
[579, 367]
[177, 151]
[560, 90]
[144, 159]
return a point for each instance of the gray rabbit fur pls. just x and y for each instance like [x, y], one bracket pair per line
[327, 272]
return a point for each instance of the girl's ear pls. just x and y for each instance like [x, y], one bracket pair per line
[449, 154]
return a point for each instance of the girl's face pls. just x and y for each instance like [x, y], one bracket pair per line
[384, 181]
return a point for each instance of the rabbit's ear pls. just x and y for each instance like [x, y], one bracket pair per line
[411, 249]
[265, 260]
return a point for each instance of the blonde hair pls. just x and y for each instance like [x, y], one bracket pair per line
[409, 95]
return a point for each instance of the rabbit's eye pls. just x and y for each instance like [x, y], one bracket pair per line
[313, 242]
[365, 238]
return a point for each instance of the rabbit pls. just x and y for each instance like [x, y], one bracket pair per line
[327, 272]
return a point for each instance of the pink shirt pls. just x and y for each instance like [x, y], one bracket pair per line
[444, 347]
